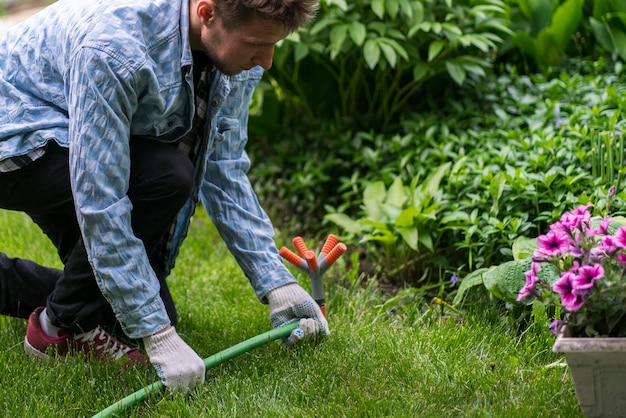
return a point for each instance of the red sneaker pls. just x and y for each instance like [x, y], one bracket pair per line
[96, 344]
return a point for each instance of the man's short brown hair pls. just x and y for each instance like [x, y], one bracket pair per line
[291, 14]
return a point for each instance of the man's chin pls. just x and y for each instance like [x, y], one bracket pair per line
[230, 71]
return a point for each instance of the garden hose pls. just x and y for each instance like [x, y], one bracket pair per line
[209, 362]
[308, 262]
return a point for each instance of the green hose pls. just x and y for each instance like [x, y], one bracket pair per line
[209, 362]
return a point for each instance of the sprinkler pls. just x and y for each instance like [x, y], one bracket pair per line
[315, 266]
[308, 263]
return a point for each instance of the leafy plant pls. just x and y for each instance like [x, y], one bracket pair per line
[545, 32]
[398, 217]
[366, 60]
[608, 23]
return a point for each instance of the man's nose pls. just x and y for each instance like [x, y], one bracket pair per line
[264, 57]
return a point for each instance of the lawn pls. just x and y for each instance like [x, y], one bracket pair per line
[425, 363]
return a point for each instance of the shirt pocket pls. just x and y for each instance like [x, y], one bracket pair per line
[224, 137]
[170, 128]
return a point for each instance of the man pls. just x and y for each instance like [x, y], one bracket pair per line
[115, 118]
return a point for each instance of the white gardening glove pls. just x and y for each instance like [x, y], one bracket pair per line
[178, 366]
[290, 303]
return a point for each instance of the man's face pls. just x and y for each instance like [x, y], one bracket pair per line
[242, 48]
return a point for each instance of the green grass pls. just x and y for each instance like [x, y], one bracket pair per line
[373, 364]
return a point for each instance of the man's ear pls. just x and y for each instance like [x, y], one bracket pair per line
[205, 10]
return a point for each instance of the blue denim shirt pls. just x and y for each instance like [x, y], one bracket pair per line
[88, 75]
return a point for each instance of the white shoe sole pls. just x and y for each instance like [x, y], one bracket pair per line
[32, 351]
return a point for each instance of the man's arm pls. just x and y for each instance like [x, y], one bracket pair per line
[246, 229]
[101, 103]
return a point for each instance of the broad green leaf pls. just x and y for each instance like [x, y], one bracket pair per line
[378, 7]
[409, 235]
[496, 188]
[378, 227]
[407, 8]
[548, 51]
[300, 52]
[484, 9]
[396, 194]
[619, 41]
[525, 8]
[384, 239]
[498, 27]
[427, 241]
[436, 28]
[373, 196]
[541, 15]
[371, 52]
[389, 53]
[420, 70]
[475, 278]
[392, 8]
[434, 49]
[456, 72]
[505, 280]
[406, 218]
[337, 37]
[342, 4]
[565, 21]
[345, 222]
[455, 217]
[423, 194]
[390, 211]
[481, 42]
[451, 29]
[523, 247]
[357, 32]
[322, 24]
[396, 46]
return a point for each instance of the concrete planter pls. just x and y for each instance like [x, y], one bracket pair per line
[598, 369]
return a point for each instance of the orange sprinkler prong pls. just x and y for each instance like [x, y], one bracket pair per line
[290, 256]
[332, 256]
[336, 252]
[311, 260]
[300, 245]
[330, 243]
[323, 309]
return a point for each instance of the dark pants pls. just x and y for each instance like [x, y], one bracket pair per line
[160, 183]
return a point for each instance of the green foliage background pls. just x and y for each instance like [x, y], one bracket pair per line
[428, 162]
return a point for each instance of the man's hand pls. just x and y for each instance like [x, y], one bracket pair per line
[178, 366]
[290, 303]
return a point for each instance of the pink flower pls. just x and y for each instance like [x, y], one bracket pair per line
[602, 228]
[577, 217]
[531, 281]
[553, 243]
[570, 300]
[586, 278]
[620, 237]
[608, 244]
[621, 257]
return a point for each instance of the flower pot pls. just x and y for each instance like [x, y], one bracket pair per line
[598, 370]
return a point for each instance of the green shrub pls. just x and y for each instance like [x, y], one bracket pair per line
[519, 157]
[547, 32]
[366, 60]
